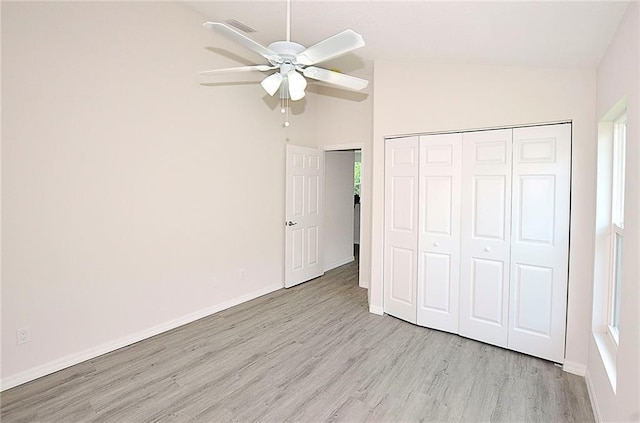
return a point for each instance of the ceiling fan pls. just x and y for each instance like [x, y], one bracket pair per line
[294, 62]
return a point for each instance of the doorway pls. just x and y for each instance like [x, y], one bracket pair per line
[343, 199]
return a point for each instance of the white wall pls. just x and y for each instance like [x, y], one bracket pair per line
[346, 116]
[415, 97]
[338, 206]
[132, 196]
[618, 76]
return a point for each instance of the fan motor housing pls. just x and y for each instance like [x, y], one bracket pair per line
[286, 49]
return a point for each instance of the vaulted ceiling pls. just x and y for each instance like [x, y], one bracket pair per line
[564, 34]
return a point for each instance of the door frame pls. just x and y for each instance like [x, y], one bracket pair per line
[364, 195]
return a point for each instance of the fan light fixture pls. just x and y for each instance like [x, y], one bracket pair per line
[272, 83]
[297, 84]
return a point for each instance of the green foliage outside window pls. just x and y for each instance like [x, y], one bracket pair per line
[356, 177]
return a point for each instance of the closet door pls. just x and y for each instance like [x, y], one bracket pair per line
[439, 236]
[486, 224]
[401, 227]
[540, 240]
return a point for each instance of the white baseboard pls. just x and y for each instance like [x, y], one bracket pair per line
[592, 399]
[574, 368]
[376, 310]
[363, 284]
[339, 263]
[72, 359]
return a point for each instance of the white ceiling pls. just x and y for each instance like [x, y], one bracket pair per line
[565, 34]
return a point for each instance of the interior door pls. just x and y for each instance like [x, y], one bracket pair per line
[304, 215]
[401, 227]
[486, 203]
[439, 237]
[540, 240]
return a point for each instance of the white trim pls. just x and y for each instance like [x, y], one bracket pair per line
[376, 310]
[607, 351]
[338, 147]
[574, 368]
[592, 399]
[363, 284]
[72, 359]
[617, 110]
[490, 128]
[339, 263]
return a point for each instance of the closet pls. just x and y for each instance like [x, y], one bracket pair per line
[476, 237]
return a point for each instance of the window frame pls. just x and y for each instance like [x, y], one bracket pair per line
[604, 336]
[616, 238]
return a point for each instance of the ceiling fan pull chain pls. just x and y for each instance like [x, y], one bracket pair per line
[285, 109]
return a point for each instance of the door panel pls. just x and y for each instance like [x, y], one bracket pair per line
[303, 236]
[436, 278]
[297, 193]
[439, 231]
[489, 207]
[532, 296]
[536, 208]
[486, 226]
[401, 227]
[297, 238]
[403, 203]
[313, 249]
[402, 269]
[487, 281]
[438, 213]
[313, 196]
[540, 247]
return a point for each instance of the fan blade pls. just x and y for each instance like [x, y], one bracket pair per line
[272, 82]
[336, 78]
[260, 68]
[241, 39]
[297, 84]
[341, 43]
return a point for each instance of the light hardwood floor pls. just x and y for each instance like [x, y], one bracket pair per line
[309, 353]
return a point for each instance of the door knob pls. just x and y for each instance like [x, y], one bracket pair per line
[487, 249]
[436, 244]
[290, 223]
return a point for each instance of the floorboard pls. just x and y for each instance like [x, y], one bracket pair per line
[309, 353]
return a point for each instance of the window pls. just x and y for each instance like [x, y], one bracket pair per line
[616, 246]
[609, 244]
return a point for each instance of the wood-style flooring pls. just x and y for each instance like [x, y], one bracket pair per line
[310, 353]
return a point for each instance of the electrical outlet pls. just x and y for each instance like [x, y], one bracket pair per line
[23, 335]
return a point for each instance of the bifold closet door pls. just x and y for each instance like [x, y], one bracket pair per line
[439, 231]
[540, 240]
[401, 227]
[477, 235]
[485, 240]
